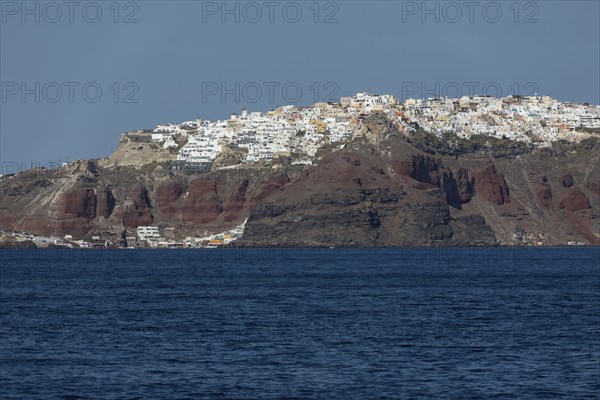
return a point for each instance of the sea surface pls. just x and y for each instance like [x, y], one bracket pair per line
[300, 324]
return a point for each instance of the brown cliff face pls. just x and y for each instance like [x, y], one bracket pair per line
[138, 211]
[465, 184]
[270, 187]
[235, 203]
[168, 196]
[202, 203]
[492, 186]
[75, 209]
[106, 202]
[426, 169]
[351, 200]
[79, 203]
[575, 200]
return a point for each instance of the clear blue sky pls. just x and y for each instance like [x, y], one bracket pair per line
[176, 50]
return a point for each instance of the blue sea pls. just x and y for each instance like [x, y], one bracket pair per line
[473, 323]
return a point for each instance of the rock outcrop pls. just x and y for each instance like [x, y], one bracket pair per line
[492, 186]
[544, 196]
[427, 169]
[575, 200]
[137, 209]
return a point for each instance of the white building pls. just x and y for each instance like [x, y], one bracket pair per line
[148, 232]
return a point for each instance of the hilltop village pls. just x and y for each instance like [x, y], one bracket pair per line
[301, 131]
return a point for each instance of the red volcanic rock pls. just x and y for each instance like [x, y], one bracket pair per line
[575, 200]
[202, 204]
[271, 187]
[236, 202]
[566, 180]
[139, 213]
[544, 196]
[219, 200]
[238, 198]
[167, 198]
[105, 203]
[78, 203]
[430, 170]
[492, 186]
[76, 208]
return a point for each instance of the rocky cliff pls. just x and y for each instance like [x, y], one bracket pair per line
[394, 195]
[76, 201]
[381, 189]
